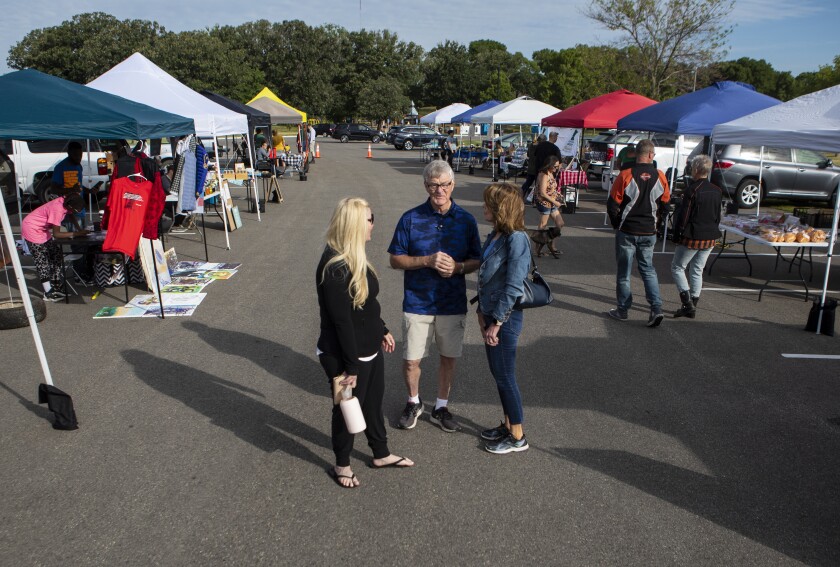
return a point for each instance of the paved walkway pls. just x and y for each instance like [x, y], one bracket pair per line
[205, 440]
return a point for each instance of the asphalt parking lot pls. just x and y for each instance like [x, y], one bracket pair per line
[205, 439]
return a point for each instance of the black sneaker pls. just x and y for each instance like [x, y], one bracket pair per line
[655, 318]
[54, 295]
[445, 420]
[495, 434]
[507, 445]
[617, 314]
[409, 416]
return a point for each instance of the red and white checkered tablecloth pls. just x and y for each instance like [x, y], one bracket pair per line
[569, 177]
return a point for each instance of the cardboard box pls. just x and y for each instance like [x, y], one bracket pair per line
[239, 167]
[240, 176]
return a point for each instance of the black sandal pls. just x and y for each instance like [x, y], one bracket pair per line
[337, 478]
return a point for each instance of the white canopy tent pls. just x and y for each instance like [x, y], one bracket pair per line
[444, 115]
[810, 122]
[140, 80]
[522, 110]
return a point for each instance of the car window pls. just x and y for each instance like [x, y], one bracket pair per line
[770, 153]
[622, 139]
[661, 141]
[809, 157]
[428, 131]
[57, 146]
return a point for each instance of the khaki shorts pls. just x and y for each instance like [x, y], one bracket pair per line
[447, 330]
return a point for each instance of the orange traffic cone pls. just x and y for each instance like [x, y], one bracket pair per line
[370, 153]
[317, 151]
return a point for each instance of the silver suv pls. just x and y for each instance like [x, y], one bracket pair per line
[789, 173]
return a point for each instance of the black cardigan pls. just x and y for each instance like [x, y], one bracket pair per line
[347, 333]
[698, 217]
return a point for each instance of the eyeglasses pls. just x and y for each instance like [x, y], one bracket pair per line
[370, 220]
[435, 186]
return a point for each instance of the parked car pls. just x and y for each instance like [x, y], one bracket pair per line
[347, 132]
[517, 139]
[789, 173]
[37, 159]
[392, 131]
[325, 129]
[414, 136]
[603, 151]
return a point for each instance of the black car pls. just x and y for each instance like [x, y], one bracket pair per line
[414, 136]
[789, 173]
[347, 132]
[325, 129]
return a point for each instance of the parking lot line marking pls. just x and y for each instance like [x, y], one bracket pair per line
[816, 356]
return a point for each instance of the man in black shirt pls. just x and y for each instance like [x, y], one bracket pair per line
[545, 149]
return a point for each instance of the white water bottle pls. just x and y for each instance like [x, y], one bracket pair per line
[352, 411]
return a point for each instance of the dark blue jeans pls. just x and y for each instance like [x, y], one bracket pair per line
[502, 361]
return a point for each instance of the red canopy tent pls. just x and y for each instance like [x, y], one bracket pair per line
[600, 112]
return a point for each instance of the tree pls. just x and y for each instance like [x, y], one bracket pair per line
[448, 76]
[758, 73]
[382, 99]
[85, 46]
[827, 76]
[673, 37]
[203, 61]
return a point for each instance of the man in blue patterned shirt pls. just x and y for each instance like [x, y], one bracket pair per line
[436, 244]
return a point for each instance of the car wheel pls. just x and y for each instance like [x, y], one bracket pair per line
[13, 313]
[408, 145]
[43, 189]
[375, 139]
[344, 138]
[748, 193]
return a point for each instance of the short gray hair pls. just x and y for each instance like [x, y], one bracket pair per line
[701, 166]
[436, 169]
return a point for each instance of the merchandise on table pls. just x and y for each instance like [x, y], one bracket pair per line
[775, 228]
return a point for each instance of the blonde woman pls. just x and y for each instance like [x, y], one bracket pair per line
[353, 335]
[505, 261]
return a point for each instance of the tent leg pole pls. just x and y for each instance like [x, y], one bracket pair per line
[24, 293]
[224, 204]
[204, 238]
[157, 279]
[832, 240]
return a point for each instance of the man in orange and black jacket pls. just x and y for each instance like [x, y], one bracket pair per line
[638, 196]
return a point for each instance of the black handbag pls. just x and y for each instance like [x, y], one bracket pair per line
[536, 292]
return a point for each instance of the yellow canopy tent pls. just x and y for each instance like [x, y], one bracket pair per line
[266, 93]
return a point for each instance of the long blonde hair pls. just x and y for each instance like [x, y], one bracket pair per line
[347, 235]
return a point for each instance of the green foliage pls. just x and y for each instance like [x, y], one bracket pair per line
[335, 74]
[382, 99]
[84, 47]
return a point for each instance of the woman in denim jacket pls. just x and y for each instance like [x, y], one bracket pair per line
[505, 261]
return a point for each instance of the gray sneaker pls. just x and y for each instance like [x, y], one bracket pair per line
[507, 445]
[445, 420]
[617, 314]
[655, 318]
[54, 295]
[409, 416]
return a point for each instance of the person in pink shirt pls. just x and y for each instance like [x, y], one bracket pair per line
[40, 229]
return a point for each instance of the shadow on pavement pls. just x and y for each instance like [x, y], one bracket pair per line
[232, 406]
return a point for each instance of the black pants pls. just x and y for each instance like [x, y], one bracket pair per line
[529, 180]
[370, 390]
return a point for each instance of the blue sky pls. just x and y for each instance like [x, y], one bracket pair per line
[791, 35]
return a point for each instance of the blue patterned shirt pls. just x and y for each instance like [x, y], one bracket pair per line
[421, 232]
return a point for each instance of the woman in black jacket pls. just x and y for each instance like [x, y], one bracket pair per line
[696, 228]
[353, 335]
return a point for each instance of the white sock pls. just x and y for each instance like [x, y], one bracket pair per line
[440, 403]
[414, 399]
[47, 286]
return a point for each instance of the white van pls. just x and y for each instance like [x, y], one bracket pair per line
[36, 160]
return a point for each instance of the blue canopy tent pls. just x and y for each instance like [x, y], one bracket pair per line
[699, 111]
[37, 106]
[464, 117]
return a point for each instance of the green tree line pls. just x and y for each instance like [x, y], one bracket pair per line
[335, 74]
